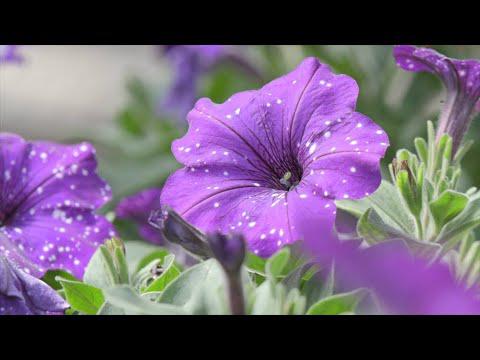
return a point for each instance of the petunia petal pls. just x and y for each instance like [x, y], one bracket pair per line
[49, 192]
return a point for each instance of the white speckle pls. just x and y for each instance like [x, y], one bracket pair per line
[225, 173]
[353, 142]
[312, 148]
[83, 148]
[345, 196]
[353, 169]
[279, 101]
[252, 224]
[229, 116]
[237, 111]
[256, 184]
[294, 82]
[359, 125]
[263, 236]
[379, 132]
[327, 134]
[216, 205]
[322, 82]
[303, 196]
[43, 156]
[280, 232]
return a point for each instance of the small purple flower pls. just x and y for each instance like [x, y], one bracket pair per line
[48, 194]
[138, 208]
[403, 284]
[9, 53]
[267, 161]
[461, 79]
[22, 294]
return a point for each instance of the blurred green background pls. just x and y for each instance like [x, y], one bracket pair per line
[109, 95]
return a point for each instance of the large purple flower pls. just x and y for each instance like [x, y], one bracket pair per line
[461, 79]
[9, 53]
[138, 208]
[402, 283]
[48, 194]
[23, 294]
[267, 161]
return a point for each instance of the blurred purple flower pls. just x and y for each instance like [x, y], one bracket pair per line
[22, 294]
[190, 63]
[9, 53]
[461, 79]
[48, 194]
[402, 283]
[137, 208]
[265, 161]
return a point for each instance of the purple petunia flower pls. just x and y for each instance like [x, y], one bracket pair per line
[23, 294]
[9, 53]
[267, 161]
[138, 208]
[402, 283]
[48, 194]
[461, 79]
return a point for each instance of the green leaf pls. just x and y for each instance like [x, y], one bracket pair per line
[170, 272]
[50, 278]
[338, 303]
[277, 262]
[448, 205]
[179, 291]
[82, 297]
[467, 220]
[255, 263]
[125, 298]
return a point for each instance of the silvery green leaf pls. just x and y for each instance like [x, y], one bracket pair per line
[179, 291]
[125, 298]
[387, 204]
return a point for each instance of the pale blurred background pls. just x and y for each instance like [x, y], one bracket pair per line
[66, 90]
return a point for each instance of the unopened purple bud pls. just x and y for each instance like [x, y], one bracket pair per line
[178, 231]
[229, 250]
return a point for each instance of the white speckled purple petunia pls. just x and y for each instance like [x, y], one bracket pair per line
[267, 162]
[48, 194]
[461, 79]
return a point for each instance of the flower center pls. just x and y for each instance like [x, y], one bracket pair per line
[289, 180]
